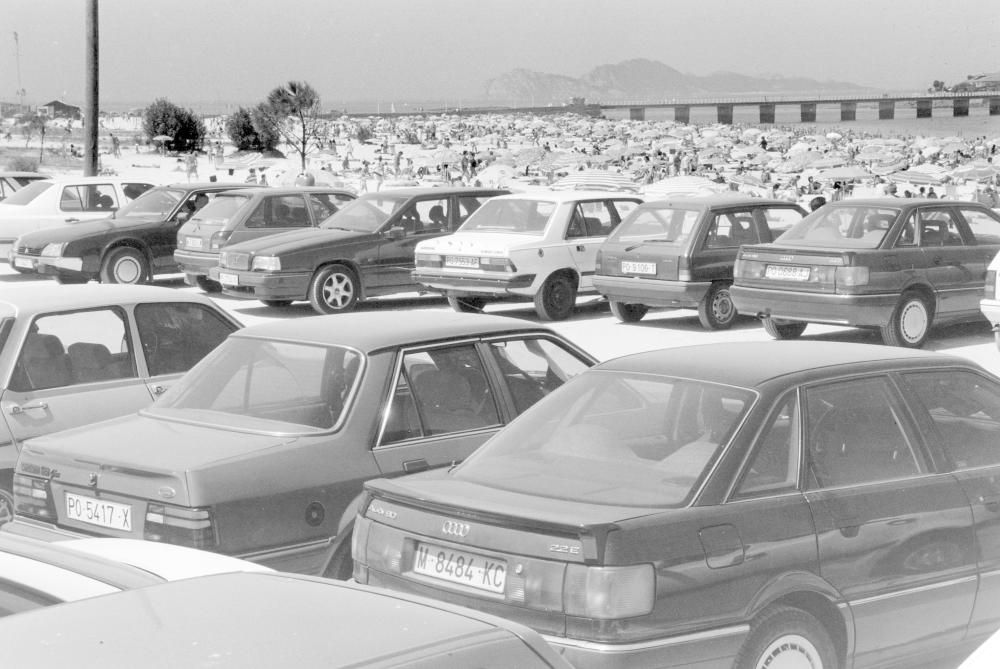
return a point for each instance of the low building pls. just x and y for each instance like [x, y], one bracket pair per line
[59, 109]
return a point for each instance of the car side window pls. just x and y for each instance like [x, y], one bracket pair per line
[74, 348]
[532, 368]
[283, 211]
[576, 227]
[938, 227]
[598, 220]
[440, 391]
[779, 219]
[623, 208]
[985, 227]
[176, 335]
[730, 229]
[89, 197]
[325, 205]
[774, 464]
[908, 233]
[132, 190]
[432, 215]
[854, 434]
[965, 409]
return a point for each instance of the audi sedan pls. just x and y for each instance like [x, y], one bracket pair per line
[748, 505]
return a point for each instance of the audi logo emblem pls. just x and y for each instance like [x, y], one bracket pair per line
[455, 529]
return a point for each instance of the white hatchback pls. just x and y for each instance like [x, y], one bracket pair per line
[541, 245]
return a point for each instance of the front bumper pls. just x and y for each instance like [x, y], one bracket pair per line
[835, 309]
[652, 292]
[46, 264]
[262, 285]
[494, 284]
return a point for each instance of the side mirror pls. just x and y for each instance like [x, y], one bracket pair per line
[397, 232]
[183, 216]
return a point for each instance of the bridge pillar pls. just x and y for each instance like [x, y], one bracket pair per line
[994, 106]
[682, 113]
[925, 107]
[848, 111]
[960, 107]
[724, 113]
[637, 113]
[807, 112]
[767, 112]
[886, 110]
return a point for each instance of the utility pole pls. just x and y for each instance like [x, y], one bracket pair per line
[20, 89]
[91, 104]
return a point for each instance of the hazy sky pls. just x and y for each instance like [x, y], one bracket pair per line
[237, 50]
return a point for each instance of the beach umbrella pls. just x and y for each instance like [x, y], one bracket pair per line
[529, 155]
[554, 160]
[447, 156]
[162, 138]
[683, 186]
[595, 180]
[977, 170]
[913, 176]
[844, 173]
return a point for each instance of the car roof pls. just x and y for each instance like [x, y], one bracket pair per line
[100, 180]
[29, 175]
[435, 190]
[196, 185]
[899, 202]
[32, 298]
[243, 620]
[373, 331]
[571, 195]
[717, 200]
[750, 364]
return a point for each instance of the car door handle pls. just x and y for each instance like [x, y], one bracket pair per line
[581, 247]
[991, 502]
[72, 220]
[937, 260]
[18, 409]
[411, 466]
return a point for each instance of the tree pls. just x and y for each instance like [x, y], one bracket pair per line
[186, 128]
[38, 123]
[293, 111]
[250, 130]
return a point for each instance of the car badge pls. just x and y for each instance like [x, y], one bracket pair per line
[454, 528]
[166, 492]
[92, 480]
[786, 258]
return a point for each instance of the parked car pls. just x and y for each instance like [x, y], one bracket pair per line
[744, 504]
[131, 245]
[680, 253]
[897, 265]
[990, 304]
[71, 355]
[241, 216]
[986, 656]
[540, 245]
[307, 410]
[11, 182]
[52, 202]
[362, 251]
[39, 573]
[248, 621]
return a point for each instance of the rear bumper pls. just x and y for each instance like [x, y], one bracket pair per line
[493, 285]
[852, 310]
[652, 292]
[262, 286]
[193, 263]
[36, 529]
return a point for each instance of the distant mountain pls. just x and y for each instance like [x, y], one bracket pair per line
[645, 79]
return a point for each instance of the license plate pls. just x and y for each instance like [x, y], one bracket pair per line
[638, 267]
[227, 279]
[192, 242]
[461, 261]
[787, 273]
[99, 512]
[473, 571]
[26, 263]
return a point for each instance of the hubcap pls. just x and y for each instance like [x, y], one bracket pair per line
[722, 306]
[790, 651]
[338, 291]
[127, 270]
[913, 321]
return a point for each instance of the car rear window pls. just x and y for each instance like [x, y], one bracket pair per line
[854, 227]
[614, 438]
[672, 226]
[28, 193]
[156, 202]
[222, 210]
[522, 216]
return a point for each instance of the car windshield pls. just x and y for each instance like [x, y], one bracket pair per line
[221, 209]
[673, 226]
[28, 193]
[252, 384]
[155, 202]
[519, 215]
[613, 438]
[366, 214]
[853, 227]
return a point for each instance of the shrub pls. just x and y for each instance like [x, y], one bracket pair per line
[22, 164]
[248, 132]
[183, 125]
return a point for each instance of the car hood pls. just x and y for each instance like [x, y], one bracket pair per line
[66, 233]
[488, 243]
[298, 240]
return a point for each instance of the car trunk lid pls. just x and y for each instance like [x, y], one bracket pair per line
[789, 268]
[651, 259]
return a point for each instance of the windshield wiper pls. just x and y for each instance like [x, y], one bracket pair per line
[648, 241]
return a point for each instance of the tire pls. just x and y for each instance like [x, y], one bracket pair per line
[341, 565]
[276, 303]
[472, 305]
[333, 290]
[628, 313]
[125, 265]
[789, 638]
[66, 280]
[207, 285]
[557, 298]
[6, 506]
[783, 329]
[909, 324]
[716, 310]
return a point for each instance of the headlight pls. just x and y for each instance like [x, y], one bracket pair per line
[53, 250]
[266, 263]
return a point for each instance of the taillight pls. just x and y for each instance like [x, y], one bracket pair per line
[749, 269]
[990, 289]
[180, 525]
[683, 269]
[32, 497]
[607, 593]
[850, 277]
[219, 239]
[428, 260]
[497, 265]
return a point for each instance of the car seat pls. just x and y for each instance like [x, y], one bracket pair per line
[91, 362]
[45, 362]
[445, 399]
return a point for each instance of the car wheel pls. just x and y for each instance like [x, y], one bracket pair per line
[70, 280]
[333, 290]
[628, 313]
[208, 285]
[125, 265]
[467, 304]
[910, 323]
[6, 506]
[341, 565]
[716, 310]
[783, 329]
[557, 298]
[789, 638]
[276, 303]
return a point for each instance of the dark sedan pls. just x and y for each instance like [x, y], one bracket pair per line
[130, 246]
[765, 504]
[364, 250]
[896, 265]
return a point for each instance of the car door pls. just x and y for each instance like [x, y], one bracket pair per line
[953, 267]
[73, 368]
[894, 537]
[161, 236]
[419, 220]
[589, 224]
[273, 214]
[714, 252]
[960, 410]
